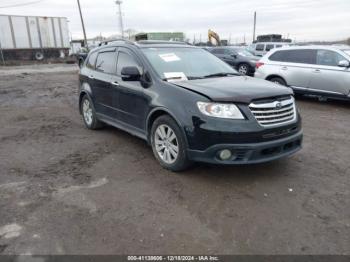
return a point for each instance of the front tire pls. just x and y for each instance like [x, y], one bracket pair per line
[89, 115]
[168, 144]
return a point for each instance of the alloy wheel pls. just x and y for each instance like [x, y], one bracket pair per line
[166, 144]
[243, 69]
[87, 112]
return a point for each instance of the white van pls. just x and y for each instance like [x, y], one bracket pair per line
[261, 48]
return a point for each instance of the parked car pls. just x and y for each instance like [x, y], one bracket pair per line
[242, 60]
[187, 104]
[262, 48]
[317, 70]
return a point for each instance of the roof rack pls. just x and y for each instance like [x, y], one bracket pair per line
[152, 42]
[115, 40]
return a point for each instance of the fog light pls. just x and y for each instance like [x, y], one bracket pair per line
[225, 154]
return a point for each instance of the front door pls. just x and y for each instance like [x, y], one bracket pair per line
[327, 76]
[131, 102]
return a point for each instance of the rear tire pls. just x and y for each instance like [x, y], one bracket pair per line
[278, 81]
[80, 63]
[244, 69]
[168, 144]
[87, 110]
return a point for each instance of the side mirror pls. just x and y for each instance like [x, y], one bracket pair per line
[234, 55]
[130, 73]
[344, 63]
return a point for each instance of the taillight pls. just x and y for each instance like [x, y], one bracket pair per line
[258, 64]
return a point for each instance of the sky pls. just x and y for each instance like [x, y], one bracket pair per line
[301, 20]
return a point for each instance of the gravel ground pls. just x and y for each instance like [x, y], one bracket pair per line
[68, 190]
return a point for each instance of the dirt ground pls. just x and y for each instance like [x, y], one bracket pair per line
[67, 190]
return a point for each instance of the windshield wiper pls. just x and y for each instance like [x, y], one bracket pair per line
[179, 78]
[220, 74]
[194, 77]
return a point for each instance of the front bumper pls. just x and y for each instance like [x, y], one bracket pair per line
[250, 153]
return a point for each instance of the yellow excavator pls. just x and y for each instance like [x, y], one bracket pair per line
[214, 36]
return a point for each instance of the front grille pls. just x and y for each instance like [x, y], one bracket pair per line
[278, 112]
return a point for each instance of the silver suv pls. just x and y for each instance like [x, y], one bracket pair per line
[319, 70]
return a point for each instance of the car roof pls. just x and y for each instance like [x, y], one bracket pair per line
[143, 44]
[328, 47]
[272, 43]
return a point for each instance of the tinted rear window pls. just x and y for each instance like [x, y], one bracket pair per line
[269, 47]
[260, 47]
[106, 62]
[303, 56]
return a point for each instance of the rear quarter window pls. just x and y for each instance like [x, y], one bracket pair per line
[91, 61]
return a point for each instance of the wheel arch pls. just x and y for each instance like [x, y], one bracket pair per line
[85, 90]
[157, 112]
[269, 77]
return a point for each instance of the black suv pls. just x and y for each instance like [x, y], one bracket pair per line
[188, 104]
[239, 58]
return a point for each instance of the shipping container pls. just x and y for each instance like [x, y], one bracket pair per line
[33, 37]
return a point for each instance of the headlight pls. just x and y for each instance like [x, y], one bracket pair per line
[220, 110]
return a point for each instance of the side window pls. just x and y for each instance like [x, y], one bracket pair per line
[91, 62]
[124, 60]
[303, 56]
[306, 56]
[106, 62]
[328, 58]
[278, 46]
[277, 56]
[259, 47]
[218, 51]
[269, 47]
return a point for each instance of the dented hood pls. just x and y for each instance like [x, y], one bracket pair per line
[239, 89]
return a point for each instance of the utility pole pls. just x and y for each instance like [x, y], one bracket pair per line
[254, 26]
[118, 3]
[2, 55]
[82, 23]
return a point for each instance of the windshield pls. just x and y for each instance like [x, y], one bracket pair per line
[245, 52]
[185, 63]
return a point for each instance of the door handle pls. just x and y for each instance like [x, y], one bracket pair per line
[284, 68]
[317, 71]
[115, 83]
[91, 77]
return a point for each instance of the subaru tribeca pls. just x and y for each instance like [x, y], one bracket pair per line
[187, 104]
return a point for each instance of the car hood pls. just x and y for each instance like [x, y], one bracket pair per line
[241, 89]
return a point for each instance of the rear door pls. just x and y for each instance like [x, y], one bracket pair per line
[295, 66]
[132, 105]
[327, 76]
[105, 67]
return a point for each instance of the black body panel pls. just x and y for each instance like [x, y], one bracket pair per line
[132, 105]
